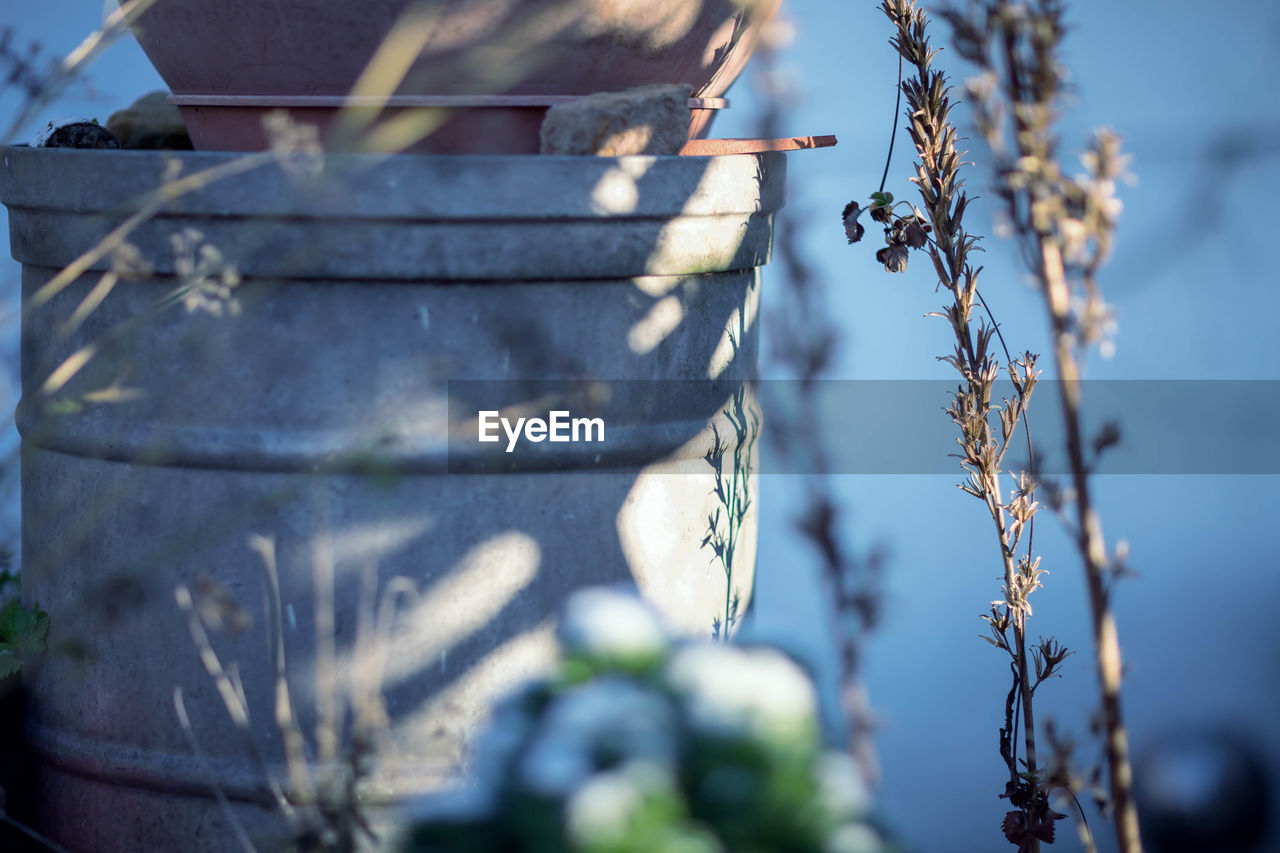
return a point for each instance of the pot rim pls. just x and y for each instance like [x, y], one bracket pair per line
[395, 101]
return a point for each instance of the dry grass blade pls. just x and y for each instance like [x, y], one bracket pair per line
[184, 721]
[232, 699]
[291, 733]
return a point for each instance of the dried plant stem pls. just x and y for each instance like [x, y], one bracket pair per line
[1065, 226]
[987, 424]
[232, 698]
[990, 494]
[1020, 658]
[237, 828]
[1093, 552]
[893, 135]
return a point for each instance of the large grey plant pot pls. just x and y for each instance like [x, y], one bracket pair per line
[317, 417]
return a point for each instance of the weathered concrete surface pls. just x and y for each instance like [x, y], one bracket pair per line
[284, 370]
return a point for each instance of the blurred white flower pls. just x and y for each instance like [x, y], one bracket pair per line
[600, 812]
[597, 725]
[844, 790]
[605, 624]
[735, 692]
[855, 838]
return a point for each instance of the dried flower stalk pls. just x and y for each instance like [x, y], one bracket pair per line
[987, 427]
[1065, 226]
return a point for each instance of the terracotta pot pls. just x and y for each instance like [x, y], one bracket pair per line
[484, 69]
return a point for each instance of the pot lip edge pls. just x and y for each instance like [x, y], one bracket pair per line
[259, 101]
[356, 158]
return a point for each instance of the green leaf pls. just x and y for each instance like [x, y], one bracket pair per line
[882, 199]
[17, 621]
[23, 632]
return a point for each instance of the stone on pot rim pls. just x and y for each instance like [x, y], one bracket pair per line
[644, 120]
